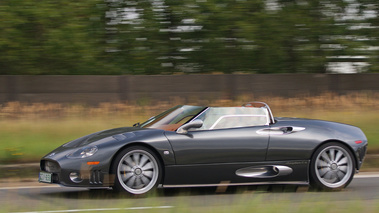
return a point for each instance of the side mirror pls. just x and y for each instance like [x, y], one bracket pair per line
[194, 124]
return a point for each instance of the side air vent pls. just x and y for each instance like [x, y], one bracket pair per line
[269, 171]
[96, 177]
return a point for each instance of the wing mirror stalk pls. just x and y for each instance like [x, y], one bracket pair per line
[194, 124]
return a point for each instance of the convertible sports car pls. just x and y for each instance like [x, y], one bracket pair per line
[210, 146]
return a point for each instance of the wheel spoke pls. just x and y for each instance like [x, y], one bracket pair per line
[131, 181]
[332, 154]
[129, 161]
[143, 160]
[321, 164]
[343, 169]
[340, 175]
[333, 177]
[125, 168]
[325, 156]
[138, 183]
[338, 155]
[136, 158]
[343, 161]
[148, 174]
[145, 180]
[328, 175]
[323, 171]
[148, 166]
[126, 176]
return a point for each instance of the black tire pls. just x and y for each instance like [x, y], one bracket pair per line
[332, 167]
[137, 171]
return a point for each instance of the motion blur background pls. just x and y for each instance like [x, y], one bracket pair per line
[69, 68]
[188, 36]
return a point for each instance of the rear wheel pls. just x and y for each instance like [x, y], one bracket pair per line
[137, 170]
[332, 167]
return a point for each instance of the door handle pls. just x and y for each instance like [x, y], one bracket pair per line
[286, 130]
[283, 130]
[280, 130]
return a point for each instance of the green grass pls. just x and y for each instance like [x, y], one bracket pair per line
[28, 140]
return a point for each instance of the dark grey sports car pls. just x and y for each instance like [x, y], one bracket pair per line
[210, 146]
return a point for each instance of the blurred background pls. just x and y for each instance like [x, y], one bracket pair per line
[69, 68]
[188, 36]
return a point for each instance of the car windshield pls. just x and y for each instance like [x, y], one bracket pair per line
[233, 117]
[173, 118]
[213, 117]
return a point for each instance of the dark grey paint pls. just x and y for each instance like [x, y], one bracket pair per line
[219, 146]
[213, 156]
[108, 148]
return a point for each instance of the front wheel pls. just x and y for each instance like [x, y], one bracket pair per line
[332, 167]
[137, 170]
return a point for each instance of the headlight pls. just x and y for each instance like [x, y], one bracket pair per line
[84, 152]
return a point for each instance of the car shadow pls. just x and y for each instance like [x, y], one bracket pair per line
[75, 193]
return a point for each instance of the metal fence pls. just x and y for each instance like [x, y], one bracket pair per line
[98, 89]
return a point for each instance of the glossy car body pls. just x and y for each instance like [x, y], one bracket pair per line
[210, 146]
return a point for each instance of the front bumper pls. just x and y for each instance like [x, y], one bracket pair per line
[360, 153]
[78, 174]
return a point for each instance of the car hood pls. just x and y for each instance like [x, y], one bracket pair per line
[104, 139]
[88, 139]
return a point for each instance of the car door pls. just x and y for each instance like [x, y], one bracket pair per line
[219, 146]
[210, 157]
[292, 139]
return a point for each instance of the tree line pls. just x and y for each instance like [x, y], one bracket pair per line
[187, 36]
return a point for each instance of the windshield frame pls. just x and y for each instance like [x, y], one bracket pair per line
[173, 118]
[177, 116]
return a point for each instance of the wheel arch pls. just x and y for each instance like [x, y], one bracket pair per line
[146, 145]
[340, 142]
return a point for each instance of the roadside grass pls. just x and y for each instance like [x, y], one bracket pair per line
[29, 131]
[244, 202]
[28, 140]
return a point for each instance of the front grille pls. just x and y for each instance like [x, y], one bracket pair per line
[50, 166]
[55, 178]
[96, 177]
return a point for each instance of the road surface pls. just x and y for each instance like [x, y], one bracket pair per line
[363, 191]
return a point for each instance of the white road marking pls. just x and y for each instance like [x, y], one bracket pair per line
[28, 187]
[103, 209]
[368, 175]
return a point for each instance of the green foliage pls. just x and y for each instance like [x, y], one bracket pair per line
[170, 36]
[50, 37]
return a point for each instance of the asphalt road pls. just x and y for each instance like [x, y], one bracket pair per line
[364, 190]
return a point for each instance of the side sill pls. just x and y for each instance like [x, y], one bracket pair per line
[238, 184]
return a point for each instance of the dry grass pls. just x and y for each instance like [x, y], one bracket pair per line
[324, 102]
